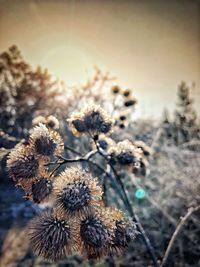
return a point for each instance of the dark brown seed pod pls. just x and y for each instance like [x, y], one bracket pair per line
[77, 192]
[92, 120]
[96, 232]
[125, 232]
[53, 236]
[23, 166]
[125, 154]
[46, 142]
[41, 189]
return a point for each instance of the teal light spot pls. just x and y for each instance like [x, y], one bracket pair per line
[140, 194]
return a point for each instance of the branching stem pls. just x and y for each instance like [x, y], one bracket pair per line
[130, 208]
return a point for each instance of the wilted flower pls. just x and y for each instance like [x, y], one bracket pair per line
[46, 142]
[125, 154]
[23, 166]
[53, 235]
[125, 231]
[96, 232]
[92, 120]
[77, 192]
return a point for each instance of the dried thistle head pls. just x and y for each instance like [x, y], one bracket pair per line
[77, 192]
[96, 232]
[125, 154]
[23, 166]
[53, 235]
[125, 231]
[52, 122]
[92, 120]
[40, 190]
[46, 143]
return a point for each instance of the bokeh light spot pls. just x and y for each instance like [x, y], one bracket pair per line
[140, 193]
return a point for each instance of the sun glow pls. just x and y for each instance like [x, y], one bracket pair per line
[69, 63]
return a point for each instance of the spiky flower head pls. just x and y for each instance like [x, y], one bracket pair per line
[96, 232]
[92, 120]
[77, 192]
[53, 235]
[125, 231]
[40, 190]
[23, 166]
[46, 143]
[125, 154]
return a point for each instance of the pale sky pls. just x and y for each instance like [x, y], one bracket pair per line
[150, 45]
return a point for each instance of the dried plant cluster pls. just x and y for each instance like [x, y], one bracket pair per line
[79, 219]
[25, 91]
[76, 167]
[185, 125]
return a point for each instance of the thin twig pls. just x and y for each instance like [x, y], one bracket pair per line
[139, 225]
[176, 232]
[72, 150]
[87, 158]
